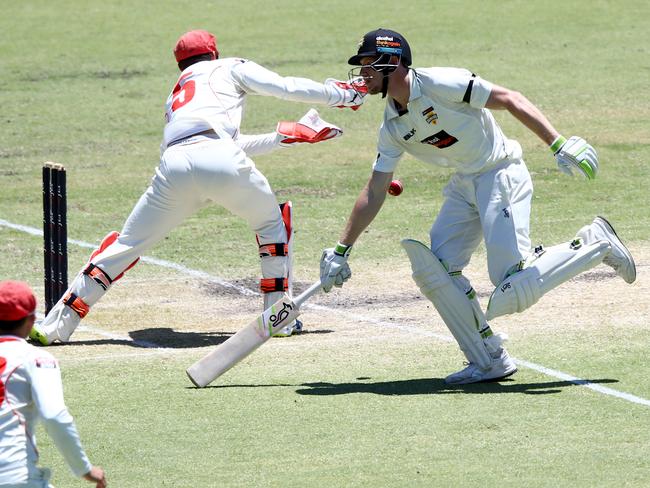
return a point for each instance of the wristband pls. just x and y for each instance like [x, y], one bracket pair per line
[342, 249]
[557, 144]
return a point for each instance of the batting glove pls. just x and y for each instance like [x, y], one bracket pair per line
[309, 129]
[350, 94]
[575, 155]
[334, 268]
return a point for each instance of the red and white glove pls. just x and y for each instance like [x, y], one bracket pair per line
[352, 92]
[309, 129]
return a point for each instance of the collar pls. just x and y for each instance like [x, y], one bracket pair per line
[414, 92]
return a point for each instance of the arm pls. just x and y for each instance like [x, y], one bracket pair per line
[256, 79]
[310, 129]
[523, 110]
[367, 206]
[334, 269]
[47, 392]
[573, 155]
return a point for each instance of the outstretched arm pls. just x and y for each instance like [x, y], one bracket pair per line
[367, 206]
[573, 156]
[334, 269]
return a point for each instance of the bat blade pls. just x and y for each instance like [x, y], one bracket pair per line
[244, 342]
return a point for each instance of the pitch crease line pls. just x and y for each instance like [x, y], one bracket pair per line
[245, 291]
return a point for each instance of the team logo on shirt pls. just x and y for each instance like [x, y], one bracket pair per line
[440, 139]
[430, 116]
[409, 134]
[45, 363]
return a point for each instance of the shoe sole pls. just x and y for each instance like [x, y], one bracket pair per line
[494, 380]
[608, 227]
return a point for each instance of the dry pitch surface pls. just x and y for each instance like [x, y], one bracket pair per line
[174, 314]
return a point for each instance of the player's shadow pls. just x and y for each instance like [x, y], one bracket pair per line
[431, 386]
[164, 337]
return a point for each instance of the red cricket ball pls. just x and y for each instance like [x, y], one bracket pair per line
[395, 188]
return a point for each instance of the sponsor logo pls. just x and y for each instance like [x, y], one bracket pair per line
[410, 134]
[430, 116]
[440, 139]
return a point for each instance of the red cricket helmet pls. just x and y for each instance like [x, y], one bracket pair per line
[193, 43]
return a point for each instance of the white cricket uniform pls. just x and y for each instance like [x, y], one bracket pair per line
[448, 125]
[197, 169]
[31, 390]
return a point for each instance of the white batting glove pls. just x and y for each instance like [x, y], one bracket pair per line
[575, 155]
[334, 268]
[349, 94]
[309, 129]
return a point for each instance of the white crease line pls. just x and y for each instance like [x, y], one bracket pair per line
[245, 291]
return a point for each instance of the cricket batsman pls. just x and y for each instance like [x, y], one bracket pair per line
[442, 116]
[206, 159]
[31, 391]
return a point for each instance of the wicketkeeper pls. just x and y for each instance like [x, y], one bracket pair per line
[205, 159]
[442, 117]
[31, 391]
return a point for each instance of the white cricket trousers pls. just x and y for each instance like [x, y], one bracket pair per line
[495, 206]
[189, 177]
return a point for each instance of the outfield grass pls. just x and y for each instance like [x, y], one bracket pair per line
[353, 404]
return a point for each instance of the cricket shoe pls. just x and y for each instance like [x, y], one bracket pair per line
[619, 258]
[295, 328]
[502, 366]
[37, 337]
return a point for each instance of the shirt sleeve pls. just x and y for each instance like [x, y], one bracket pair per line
[254, 145]
[388, 152]
[255, 79]
[47, 392]
[457, 85]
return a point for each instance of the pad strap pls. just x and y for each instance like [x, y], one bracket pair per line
[99, 275]
[277, 249]
[76, 304]
[269, 285]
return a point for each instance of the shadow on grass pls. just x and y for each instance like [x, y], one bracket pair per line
[428, 386]
[165, 337]
[424, 386]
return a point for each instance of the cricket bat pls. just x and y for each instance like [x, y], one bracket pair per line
[227, 354]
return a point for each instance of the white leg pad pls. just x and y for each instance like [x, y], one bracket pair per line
[450, 301]
[544, 272]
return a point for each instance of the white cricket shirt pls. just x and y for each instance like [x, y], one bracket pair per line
[31, 390]
[446, 125]
[211, 95]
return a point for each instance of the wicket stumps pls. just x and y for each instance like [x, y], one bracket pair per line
[55, 233]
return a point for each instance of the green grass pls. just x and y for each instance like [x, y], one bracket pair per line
[84, 84]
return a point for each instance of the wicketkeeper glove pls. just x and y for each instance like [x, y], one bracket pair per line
[575, 155]
[334, 268]
[309, 129]
[351, 94]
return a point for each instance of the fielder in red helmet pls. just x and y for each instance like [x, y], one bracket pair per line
[206, 159]
[31, 391]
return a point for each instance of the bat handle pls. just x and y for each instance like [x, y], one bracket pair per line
[302, 298]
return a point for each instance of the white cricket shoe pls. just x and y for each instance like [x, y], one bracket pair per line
[502, 367]
[295, 328]
[619, 258]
